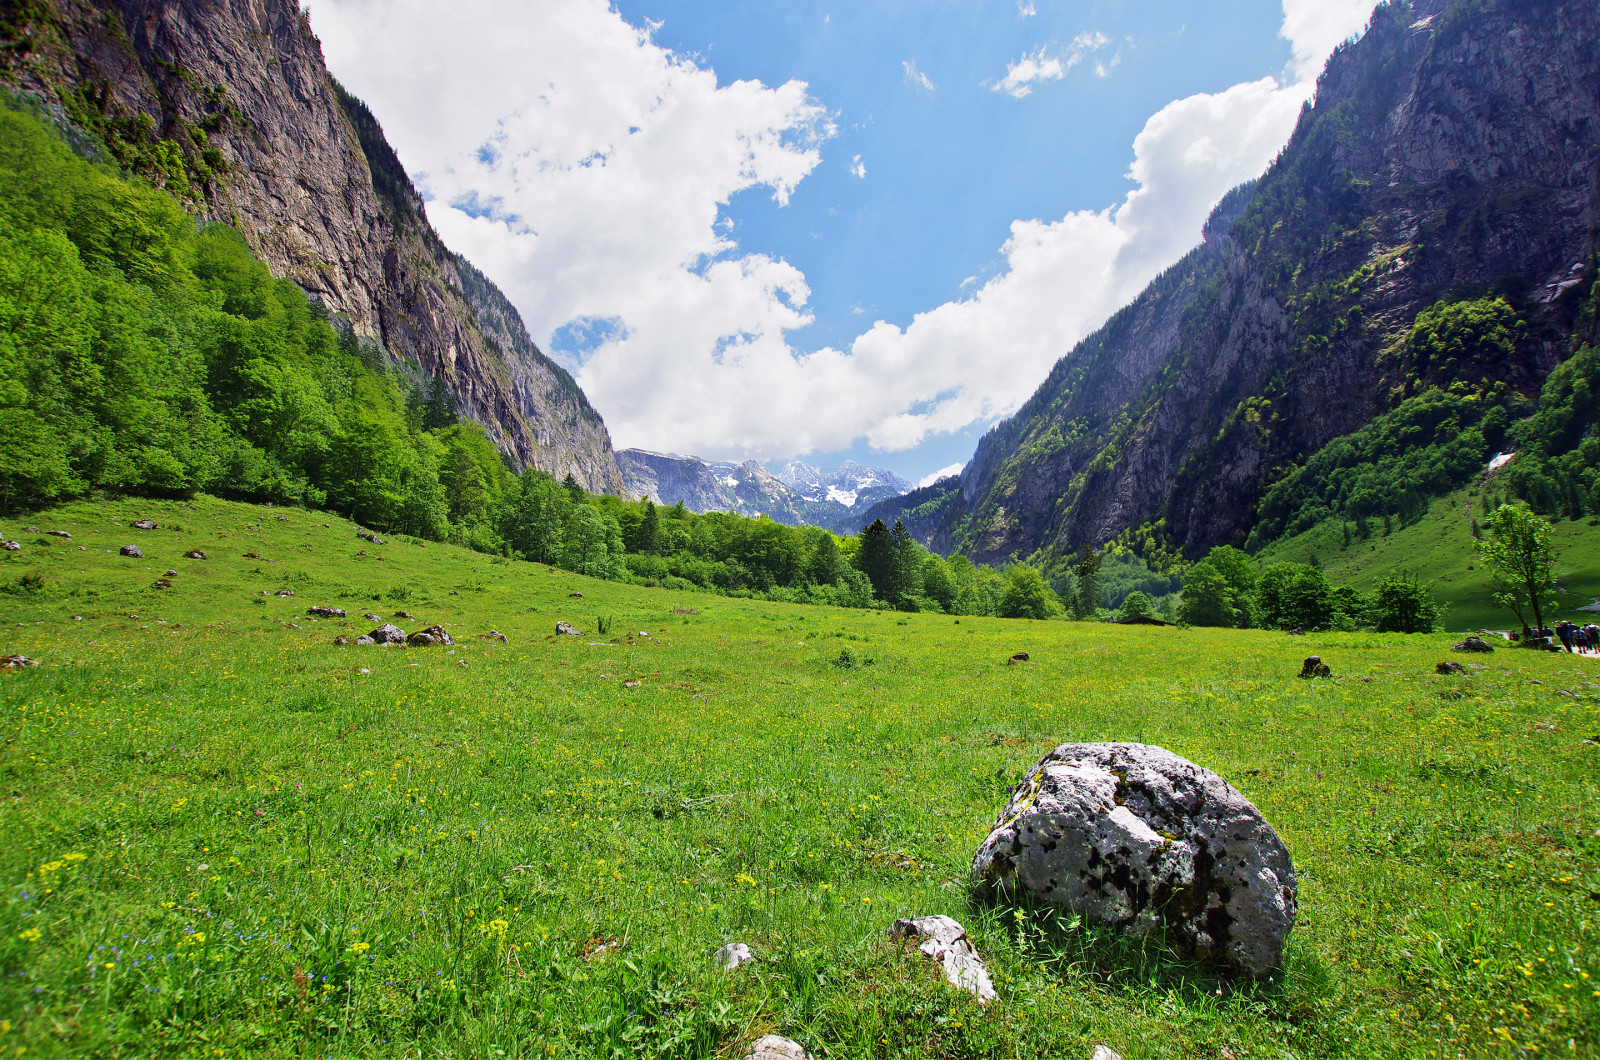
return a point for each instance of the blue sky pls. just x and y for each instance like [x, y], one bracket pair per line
[773, 230]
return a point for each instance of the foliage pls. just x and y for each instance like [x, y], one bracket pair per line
[1517, 550]
[1027, 595]
[1557, 469]
[1401, 604]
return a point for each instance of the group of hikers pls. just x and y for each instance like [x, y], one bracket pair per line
[1584, 640]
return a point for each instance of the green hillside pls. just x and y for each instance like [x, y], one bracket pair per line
[1439, 548]
[226, 835]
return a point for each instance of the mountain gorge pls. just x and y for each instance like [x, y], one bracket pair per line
[798, 495]
[1429, 227]
[229, 106]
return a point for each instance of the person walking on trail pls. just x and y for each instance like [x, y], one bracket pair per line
[1564, 631]
[1593, 631]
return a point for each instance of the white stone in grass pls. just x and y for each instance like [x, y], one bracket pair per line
[732, 955]
[1134, 837]
[772, 1047]
[945, 941]
[1105, 1052]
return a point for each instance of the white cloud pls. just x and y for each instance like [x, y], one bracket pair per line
[917, 77]
[585, 168]
[1037, 67]
[1314, 28]
[944, 472]
[858, 168]
[1025, 9]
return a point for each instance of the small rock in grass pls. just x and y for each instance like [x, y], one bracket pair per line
[772, 1047]
[132, 550]
[461, 662]
[566, 629]
[575, 596]
[387, 634]
[1134, 837]
[433, 636]
[363, 670]
[1105, 1052]
[732, 955]
[370, 617]
[1473, 644]
[1020, 657]
[945, 941]
[283, 592]
[494, 634]
[1315, 667]
[404, 614]
[172, 574]
[341, 639]
[142, 524]
[16, 662]
[325, 612]
[194, 553]
[632, 684]
[251, 555]
[60, 533]
[1449, 667]
[365, 638]
[11, 546]
[162, 583]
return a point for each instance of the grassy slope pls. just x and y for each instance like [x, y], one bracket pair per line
[1439, 548]
[482, 829]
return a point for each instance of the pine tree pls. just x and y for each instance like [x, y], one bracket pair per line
[440, 410]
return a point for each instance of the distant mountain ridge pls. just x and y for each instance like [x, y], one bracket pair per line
[1450, 166]
[798, 495]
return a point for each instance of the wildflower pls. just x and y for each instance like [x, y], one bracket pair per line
[30, 935]
[360, 947]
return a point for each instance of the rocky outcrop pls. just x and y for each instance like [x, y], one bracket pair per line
[228, 105]
[1134, 837]
[799, 495]
[1453, 150]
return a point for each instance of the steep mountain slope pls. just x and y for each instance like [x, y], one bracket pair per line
[1452, 153]
[228, 105]
[799, 495]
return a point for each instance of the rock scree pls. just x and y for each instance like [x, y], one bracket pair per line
[1132, 836]
[945, 941]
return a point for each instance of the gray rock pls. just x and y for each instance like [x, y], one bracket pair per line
[194, 553]
[1449, 667]
[11, 546]
[1134, 837]
[1315, 667]
[172, 574]
[370, 617]
[433, 636]
[1105, 1052]
[773, 1047]
[325, 612]
[945, 941]
[732, 955]
[365, 638]
[566, 629]
[142, 524]
[60, 533]
[341, 639]
[16, 662]
[494, 634]
[132, 550]
[387, 634]
[1474, 644]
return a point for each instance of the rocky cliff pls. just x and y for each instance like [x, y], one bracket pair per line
[228, 105]
[800, 495]
[1452, 152]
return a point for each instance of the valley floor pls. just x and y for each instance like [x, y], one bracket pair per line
[225, 835]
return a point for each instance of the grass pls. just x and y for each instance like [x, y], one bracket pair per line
[1439, 548]
[226, 836]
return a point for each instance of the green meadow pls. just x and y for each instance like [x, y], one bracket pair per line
[226, 836]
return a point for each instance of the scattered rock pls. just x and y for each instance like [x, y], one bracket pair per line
[325, 612]
[11, 546]
[1020, 657]
[365, 638]
[773, 1047]
[945, 941]
[1315, 667]
[341, 639]
[374, 538]
[251, 555]
[1449, 667]
[565, 629]
[16, 662]
[433, 636]
[142, 524]
[132, 550]
[370, 617]
[172, 574]
[162, 583]
[1132, 836]
[194, 553]
[632, 684]
[404, 614]
[1105, 1052]
[461, 662]
[1297, 632]
[60, 533]
[494, 634]
[1473, 644]
[575, 596]
[284, 592]
[732, 955]
[684, 611]
[387, 634]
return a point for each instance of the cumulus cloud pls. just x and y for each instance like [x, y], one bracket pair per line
[585, 168]
[1037, 66]
[858, 168]
[1314, 28]
[944, 472]
[1025, 9]
[917, 77]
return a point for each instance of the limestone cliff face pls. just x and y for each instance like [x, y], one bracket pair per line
[1453, 150]
[229, 105]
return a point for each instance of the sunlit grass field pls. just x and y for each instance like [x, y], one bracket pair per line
[223, 835]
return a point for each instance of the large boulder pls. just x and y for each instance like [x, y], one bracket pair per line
[1132, 836]
[1473, 644]
[387, 634]
[132, 550]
